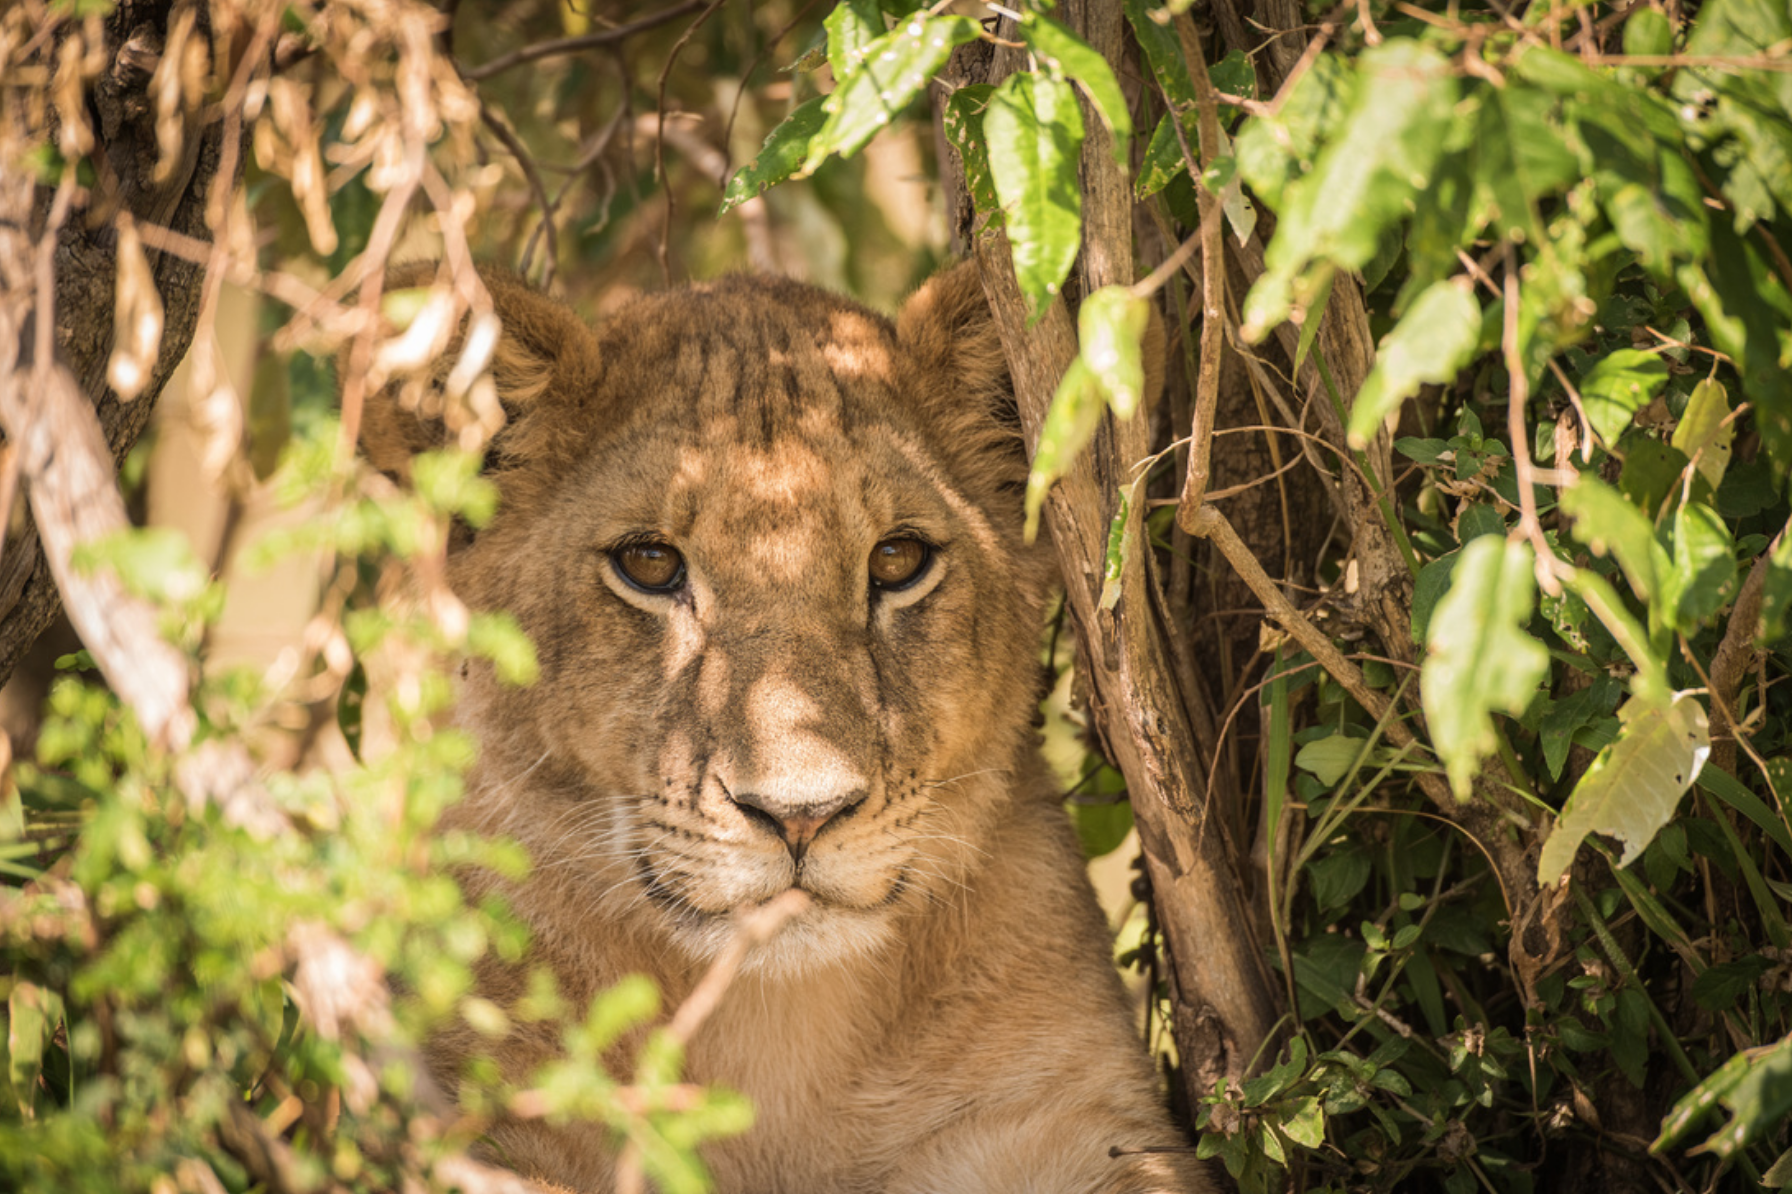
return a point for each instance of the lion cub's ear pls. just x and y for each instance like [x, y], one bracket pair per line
[544, 368]
[948, 329]
[964, 386]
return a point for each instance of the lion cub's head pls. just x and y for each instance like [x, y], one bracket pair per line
[768, 548]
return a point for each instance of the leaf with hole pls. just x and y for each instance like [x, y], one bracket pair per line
[1632, 788]
[886, 74]
[783, 152]
[962, 121]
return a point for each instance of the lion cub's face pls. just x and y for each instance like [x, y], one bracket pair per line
[767, 547]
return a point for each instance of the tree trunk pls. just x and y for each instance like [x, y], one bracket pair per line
[1158, 734]
[57, 229]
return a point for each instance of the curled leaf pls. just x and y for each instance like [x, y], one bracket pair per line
[137, 335]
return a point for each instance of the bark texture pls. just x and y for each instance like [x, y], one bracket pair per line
[74, 240]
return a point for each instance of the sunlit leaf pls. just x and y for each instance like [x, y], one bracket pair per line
[1632, 788]
[1480, 658]
[962, 120]
[1361, 182]
[1035, 133]
[1776, 594]
[1061, 51]
[1069, 422]
[1617, 386]
[887, 74]
[1433, 341]
[851, 28]
[1703, 433]
[1163, 53]
[1111, 327]
[783, 152]
[1119, 550]
[1163, 159]
[1607, 523]
[1703, 577]
[1755, 1086]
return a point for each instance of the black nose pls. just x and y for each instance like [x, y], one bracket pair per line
[797, 824]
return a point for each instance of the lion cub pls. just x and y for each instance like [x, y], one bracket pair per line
[769, 549]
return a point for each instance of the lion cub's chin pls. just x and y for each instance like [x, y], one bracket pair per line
[822, 935]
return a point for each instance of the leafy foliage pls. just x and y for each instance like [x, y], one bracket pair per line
[1566, 226]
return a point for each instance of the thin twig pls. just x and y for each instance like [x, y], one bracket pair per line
[1517, 400]
[572, 45]
[659, 142]
[753, 928]
[1213, 279]
[526, 161]
[1210, 524]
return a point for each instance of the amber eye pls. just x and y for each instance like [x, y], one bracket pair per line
[898, 563]
[650, 567]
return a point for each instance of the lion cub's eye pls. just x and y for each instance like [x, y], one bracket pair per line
[898, 563]
[650, 567]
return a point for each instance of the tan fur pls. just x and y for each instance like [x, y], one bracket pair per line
[945, 1017]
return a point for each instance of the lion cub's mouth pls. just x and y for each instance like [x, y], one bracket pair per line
[661, 892]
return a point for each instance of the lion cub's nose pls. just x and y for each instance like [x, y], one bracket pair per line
[796, 823]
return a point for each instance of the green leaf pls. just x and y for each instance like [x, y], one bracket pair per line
[1432, 342]
[1330, 757]
[1363, 180]
[1718, 989]
[1069, 422]
[851, 28]
[1259, 1090]
[883, 76]
[1617, 386]
[153, 562]
[1035, 133]
[1119, 551]
[962, 120]
[1338, 877]
[1111, 327]
[1163, 52]
[1480, 658]
[33, 1014]
[1703, 434]
[780, 157]
[1631, 789]
[1776, 594]
[1274, 151]
[1648, 33]
[1608, 524]
[1068, 56]
[1755, 1085]
[1163, 160]
[1101, 827]
[1703, 577]
[1428, 589]
[1234, 75]
[1746, 310]
[1305, 1122]
[1750, 122]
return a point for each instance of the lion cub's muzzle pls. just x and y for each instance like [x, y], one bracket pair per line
[796, 822]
